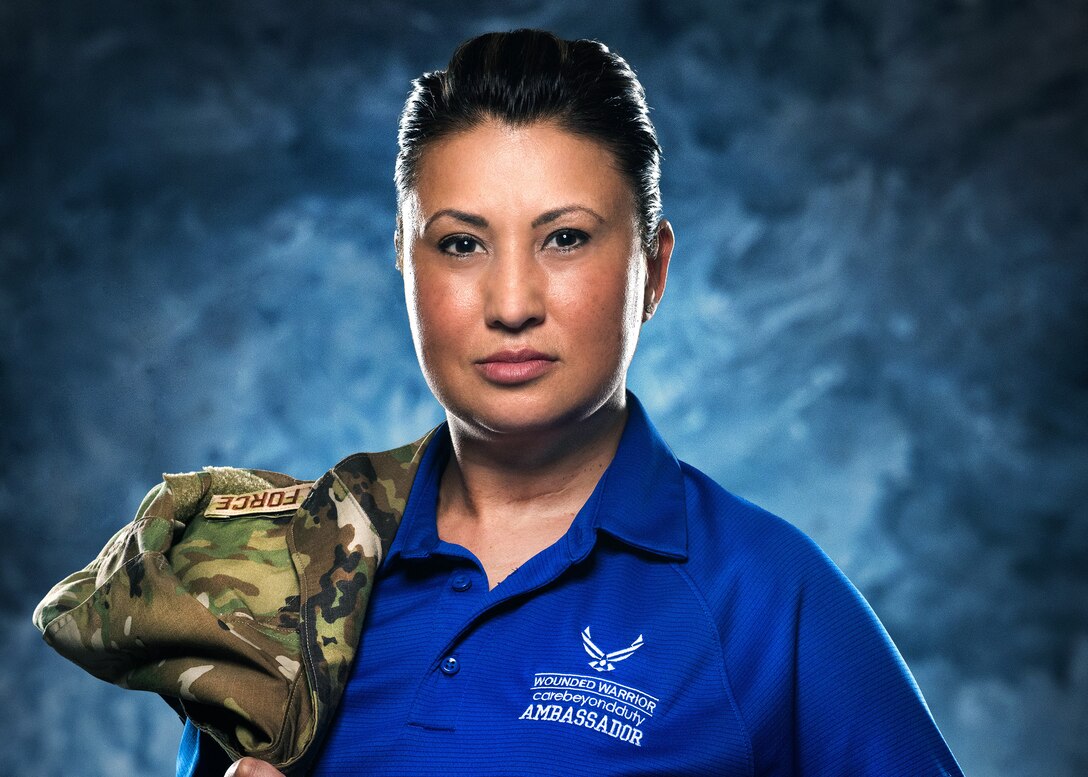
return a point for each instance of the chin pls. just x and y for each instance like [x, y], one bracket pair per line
[502, 419]
[521, 412]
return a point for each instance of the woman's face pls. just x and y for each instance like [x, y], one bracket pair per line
[525, 277]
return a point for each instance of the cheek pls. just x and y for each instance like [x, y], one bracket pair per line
[412, 304]
[606, 312]
[628, 309]
[437, 308]
[621, 296]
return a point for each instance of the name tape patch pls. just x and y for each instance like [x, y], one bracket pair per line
[273, 500]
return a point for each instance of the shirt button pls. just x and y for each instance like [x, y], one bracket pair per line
[450, 667]
[461, 582]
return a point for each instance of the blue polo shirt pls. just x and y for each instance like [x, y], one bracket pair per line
[674, 629]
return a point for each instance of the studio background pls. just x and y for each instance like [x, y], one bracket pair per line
[875, 323]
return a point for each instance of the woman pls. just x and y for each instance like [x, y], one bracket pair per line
[563, 595]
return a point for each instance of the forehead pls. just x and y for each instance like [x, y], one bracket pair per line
[498, 167]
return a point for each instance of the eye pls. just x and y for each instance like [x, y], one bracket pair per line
[566, 239]
[459, 245]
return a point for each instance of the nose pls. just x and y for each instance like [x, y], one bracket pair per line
[514, 292]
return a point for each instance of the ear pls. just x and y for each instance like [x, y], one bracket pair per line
[657, 268]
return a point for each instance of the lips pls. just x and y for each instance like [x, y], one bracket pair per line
[511, 367]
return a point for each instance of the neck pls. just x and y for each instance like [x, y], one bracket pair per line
[507, 497]
[528, 478]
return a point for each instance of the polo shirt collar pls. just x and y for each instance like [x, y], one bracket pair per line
[641, 494]
[417, 535]
[639, 499]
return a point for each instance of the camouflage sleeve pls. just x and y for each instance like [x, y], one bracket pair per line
[238, 596]
[201, 610]
[75, 589]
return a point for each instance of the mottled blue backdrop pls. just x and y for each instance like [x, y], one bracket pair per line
[875, 323]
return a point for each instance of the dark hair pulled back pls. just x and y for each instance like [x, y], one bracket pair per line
[527, 76]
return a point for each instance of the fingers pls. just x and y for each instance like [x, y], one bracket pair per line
[251, 767]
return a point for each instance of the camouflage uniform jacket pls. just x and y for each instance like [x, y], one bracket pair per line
[238, 595]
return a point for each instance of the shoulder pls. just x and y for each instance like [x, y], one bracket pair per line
[779, 602]
[807, 659]
[733, 542]
[228, 491]
[386, 476]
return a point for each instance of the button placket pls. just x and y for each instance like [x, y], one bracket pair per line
[439, 699]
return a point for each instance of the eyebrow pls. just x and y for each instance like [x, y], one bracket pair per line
[544, 218]
[552, 215]
[460, 215]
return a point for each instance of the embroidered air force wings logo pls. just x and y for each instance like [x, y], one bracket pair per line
[605, 662]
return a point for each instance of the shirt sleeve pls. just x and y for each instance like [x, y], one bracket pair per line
[199, 755]
[817, 680]
[858, 710]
